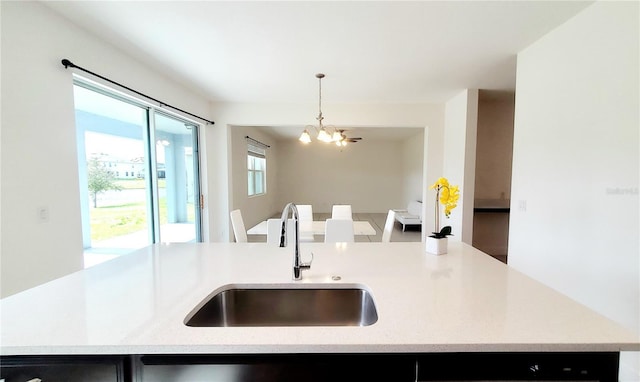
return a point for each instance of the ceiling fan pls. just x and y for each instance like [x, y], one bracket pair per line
[345, 139]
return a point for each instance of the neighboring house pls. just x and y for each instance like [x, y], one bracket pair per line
[121, 168]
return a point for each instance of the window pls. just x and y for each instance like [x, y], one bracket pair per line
[257, 167]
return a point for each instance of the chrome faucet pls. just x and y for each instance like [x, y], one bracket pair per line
[298, 265]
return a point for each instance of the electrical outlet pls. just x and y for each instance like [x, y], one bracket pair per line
[43, 214]
[522, 205]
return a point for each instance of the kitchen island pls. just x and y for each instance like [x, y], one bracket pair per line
[463, 305]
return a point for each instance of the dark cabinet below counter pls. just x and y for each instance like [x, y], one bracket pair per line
[70, 368]
[392, 367]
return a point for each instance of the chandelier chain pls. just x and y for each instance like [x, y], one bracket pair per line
[320, 118]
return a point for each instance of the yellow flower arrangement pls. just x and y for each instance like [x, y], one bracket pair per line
[448, 196]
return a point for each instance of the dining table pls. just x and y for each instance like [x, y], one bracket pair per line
[317, 227]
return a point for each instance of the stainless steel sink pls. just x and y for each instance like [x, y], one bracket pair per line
[295, 306]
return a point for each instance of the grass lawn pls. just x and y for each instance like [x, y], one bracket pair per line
[133, 184]
[113, 221]
[108, 222]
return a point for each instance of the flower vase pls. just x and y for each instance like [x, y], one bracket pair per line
[437, 246]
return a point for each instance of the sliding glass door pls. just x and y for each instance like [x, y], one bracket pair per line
[176, 168]
[138, 171]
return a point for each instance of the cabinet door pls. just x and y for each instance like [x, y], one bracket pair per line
[64, 368]
[512, 366]
[277, 368]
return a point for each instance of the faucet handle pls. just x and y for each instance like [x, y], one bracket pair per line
[307, 265]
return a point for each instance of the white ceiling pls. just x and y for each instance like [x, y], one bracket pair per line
[424, 51]
[370, 51]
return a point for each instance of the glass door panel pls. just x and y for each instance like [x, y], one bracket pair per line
[111, 158]
[177, 173]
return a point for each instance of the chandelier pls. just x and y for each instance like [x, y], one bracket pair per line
[326, 134]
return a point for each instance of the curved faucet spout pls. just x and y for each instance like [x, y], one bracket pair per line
[298, 265]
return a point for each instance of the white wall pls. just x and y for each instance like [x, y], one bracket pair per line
[367, 175]
[233, 115]
[39, 163]
[255, 208]
[413, 168]
[575, 212]
[461, 118]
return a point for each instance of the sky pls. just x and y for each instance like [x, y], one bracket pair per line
[123, 148]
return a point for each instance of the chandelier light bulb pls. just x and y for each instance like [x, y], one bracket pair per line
[324, 136]
[305, 137]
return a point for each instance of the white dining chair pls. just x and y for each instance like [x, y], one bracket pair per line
[341, 211]
[273, 231]
[338, 231]
[388, 226]
[274, 228]
[305, 216]
[305, 212]
[239, 231]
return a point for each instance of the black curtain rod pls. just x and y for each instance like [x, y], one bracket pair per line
[266, 146]
[68, 64]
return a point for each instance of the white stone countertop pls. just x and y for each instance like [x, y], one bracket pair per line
[464, 301]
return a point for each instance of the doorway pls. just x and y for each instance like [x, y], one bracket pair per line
[138, 172]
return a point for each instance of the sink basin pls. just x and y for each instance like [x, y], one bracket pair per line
[295, 306]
